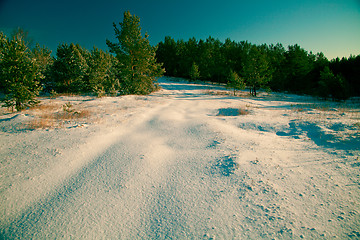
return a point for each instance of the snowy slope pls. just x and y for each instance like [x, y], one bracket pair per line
[168, 166]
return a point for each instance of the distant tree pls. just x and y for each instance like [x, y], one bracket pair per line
[297, 65]
[137, 68]
[212, 64]
[189, 55]
[349, 68]
[18, 73]
[235, 82]
[194, 72]
[231, 53]
[276, 56]
[256, 70]
[166, 53]
[333, 85]
[70, 68]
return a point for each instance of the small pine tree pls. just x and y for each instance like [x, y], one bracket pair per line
[137, 68]
[194, 72]
[235, 82]
[18, 74]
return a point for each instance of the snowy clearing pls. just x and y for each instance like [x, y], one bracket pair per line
[187, 162]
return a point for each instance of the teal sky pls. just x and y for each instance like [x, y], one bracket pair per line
[328, 26]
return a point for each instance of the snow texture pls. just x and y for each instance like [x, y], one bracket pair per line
[182, 164]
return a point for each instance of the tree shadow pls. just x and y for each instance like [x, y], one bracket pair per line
[322, 138]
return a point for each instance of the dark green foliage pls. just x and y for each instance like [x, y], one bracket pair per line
[256, 69]
[276, 57]
[178, 58]
[349, 68]
[262, 66]
[137, 68]
[19, 73]
[297, 65]
[235, 82]
[332, 85]
[212, 63]
[168, 52]
[70, 68]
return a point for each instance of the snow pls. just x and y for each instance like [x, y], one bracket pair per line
[168, 165]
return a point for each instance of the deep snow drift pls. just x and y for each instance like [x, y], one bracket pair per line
[187, 162]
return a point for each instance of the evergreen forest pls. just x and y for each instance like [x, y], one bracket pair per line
[291, 69]
[132, 65]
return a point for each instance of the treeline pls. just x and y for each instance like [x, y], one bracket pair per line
[261, 66]
[132, 65]
[129, 68]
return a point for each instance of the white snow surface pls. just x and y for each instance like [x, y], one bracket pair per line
[168, 166]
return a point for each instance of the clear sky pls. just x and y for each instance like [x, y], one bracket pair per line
[328, 26]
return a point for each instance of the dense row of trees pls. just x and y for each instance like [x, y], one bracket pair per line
[261, 66]
[130, 68]
[77, 70]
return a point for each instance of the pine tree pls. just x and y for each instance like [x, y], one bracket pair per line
[166, 53]
[100, 77]
[256, 70]
[235, 82]
[18, 74]
[194, 72]
[334, 85]
[297, 66]
[137, 68]
[69, 68]
[43, 62]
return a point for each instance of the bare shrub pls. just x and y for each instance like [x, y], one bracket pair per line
[226, 93]
[217, 93]
[53, 116]
[45, 107]
[41, 123]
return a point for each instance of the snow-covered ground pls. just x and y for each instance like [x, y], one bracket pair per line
[169, 166]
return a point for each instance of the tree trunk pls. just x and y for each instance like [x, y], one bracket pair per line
[18, 105]
[253, 91]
